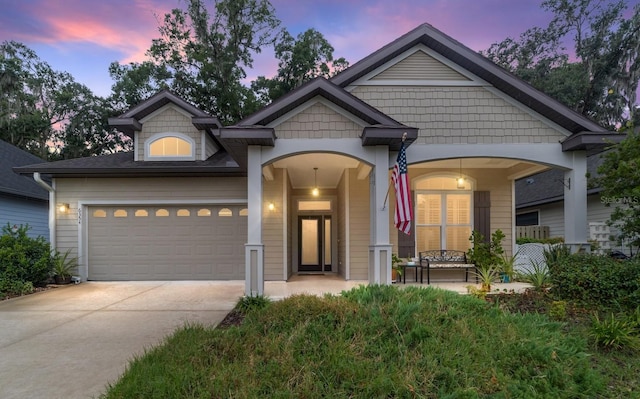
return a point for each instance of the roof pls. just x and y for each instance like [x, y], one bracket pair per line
[547, 187]
[381, 129]
[122, 165]
[586, 134]
[14, 184]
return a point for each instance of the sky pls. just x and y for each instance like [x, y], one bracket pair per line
[83, 37]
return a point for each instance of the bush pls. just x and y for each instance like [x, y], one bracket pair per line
[597, 281]
[615, 332]
[23, 259]
[530, 240]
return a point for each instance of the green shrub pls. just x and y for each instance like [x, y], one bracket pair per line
[538, 276]
[530, 240]
[249, 303]
[597, 281]
[615, 332]
[23, 259]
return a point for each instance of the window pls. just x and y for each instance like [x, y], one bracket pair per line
[170, 147]
[204, 212]
[99, 213]
[443, 214]
[162, 213]
[183, 212]
[528, 219]
[120, 213]
[244, 212]
[225, 212]
[141, 213]
[310, 205]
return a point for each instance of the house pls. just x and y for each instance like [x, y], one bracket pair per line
[22, 200]
[197, 200]
[539, 202]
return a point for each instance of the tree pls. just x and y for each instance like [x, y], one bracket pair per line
[619, 178]
[41, 107]
[300, 60]
[202, 57]
[602, 81]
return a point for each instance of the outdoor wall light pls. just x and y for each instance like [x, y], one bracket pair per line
[63, 208]
[271, 206]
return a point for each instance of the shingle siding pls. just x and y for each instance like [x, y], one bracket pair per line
[458, 115]
[317, 122]
[169, 120]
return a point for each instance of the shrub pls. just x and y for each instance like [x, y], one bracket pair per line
[598, 281]
[23, 259]
[530, 240]
[538, 276]
[615, 332]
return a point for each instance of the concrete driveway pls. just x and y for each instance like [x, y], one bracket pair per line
[70, 342]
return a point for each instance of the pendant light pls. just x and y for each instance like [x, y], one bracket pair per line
[460, 179]
[315, 192]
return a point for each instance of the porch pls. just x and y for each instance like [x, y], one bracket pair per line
[333, 284]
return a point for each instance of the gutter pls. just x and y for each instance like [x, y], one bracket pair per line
[52, 207]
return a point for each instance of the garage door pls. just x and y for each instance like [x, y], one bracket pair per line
[167, 242]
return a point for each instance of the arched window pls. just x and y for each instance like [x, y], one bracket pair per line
[170, 147]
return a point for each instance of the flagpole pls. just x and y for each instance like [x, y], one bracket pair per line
[384, 206]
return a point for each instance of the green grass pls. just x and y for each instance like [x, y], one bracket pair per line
[380, 342]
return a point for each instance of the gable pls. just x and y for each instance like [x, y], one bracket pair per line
[460, 115]
[318, 121]
[420, 66]
[171, 120]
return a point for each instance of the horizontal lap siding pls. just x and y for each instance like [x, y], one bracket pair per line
[272, 228]
[359, 237]
[25, 212]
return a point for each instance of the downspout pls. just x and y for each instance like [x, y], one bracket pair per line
[52, 208]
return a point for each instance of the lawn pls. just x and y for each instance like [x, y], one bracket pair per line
[383, 342]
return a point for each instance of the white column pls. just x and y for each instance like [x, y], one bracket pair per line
[380, 248]
[254, 249]
[575, 203]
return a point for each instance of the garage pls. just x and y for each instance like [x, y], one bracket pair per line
[166, 242]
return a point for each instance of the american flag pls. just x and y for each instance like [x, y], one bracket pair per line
[402, 217]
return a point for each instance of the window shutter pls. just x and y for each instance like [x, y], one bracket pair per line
[406, 242]
[482, 213]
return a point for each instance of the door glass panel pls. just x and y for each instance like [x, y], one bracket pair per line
[327, 241]
[310, 241]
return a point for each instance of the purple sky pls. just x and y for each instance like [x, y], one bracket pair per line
[83, 37]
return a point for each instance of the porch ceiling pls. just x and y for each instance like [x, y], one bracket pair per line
[330, 169]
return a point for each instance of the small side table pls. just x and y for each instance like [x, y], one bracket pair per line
[408, 265]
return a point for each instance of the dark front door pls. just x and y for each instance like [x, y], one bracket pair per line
[314, 248]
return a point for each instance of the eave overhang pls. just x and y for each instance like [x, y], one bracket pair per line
[393, 136]
[592, 142]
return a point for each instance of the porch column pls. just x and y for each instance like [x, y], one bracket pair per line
[254, 249]
[380, 248]
[575, 203]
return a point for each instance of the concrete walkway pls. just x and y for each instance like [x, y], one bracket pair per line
[70, 342]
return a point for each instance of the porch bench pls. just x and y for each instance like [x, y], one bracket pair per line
[440, 259]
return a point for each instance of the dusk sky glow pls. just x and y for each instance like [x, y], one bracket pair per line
[83, 37]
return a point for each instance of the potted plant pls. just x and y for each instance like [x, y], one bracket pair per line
[396, 269]
[63, 265]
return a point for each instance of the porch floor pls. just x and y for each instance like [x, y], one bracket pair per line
[333, 284]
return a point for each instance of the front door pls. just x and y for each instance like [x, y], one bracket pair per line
[314, 238]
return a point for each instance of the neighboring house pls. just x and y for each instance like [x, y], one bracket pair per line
[22, 200]
[196, 200]
[539, 202]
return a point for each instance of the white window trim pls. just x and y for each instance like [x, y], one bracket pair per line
[159, 136]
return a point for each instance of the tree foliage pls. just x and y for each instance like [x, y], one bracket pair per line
[307, 57]
[599, 76]
[48, 113]
[619, 178]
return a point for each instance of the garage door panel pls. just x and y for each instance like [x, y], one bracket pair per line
[166, 248]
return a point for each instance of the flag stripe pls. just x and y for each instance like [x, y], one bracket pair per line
[399, 176]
